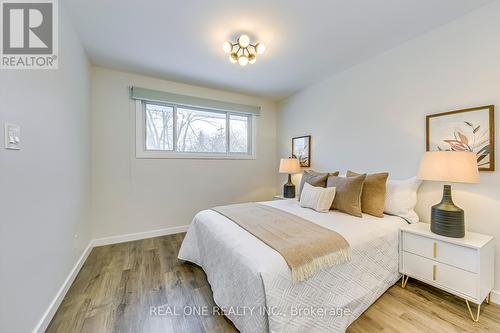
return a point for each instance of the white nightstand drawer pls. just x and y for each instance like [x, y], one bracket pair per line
[444, 252]
[447, 277]
[461, 266]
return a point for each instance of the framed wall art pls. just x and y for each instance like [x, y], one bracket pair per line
[464, 130]
[301, 149]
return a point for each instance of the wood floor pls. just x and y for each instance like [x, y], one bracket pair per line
[118, 285]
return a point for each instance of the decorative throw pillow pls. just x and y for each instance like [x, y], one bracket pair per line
[373, 194]
[314, 178]
[318, 198]
[348, 193]
[401, 198]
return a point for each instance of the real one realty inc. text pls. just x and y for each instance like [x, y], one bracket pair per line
[293, 311]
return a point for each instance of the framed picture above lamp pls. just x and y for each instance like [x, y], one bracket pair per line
[301, 150]
[470, 130]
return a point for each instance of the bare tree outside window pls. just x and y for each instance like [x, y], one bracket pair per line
[238, 136]
[159, 127]
[193, 130]
[200, 131]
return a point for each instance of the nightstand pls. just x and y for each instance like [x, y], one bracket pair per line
[461, 266]
[281, 197]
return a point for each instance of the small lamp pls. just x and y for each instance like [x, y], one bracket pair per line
[289, 166]
[449, 166]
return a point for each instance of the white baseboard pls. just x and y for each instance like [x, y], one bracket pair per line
[54, 305]
[495, 297]
[139, 235]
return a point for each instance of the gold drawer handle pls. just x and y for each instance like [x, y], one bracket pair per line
[435, 250]
[434, 272]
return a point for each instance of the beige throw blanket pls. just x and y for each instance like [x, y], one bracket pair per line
[305, 246]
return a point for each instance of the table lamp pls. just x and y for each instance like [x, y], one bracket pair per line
[289, 166]
[449, 166]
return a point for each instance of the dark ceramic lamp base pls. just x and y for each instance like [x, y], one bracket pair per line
[289, 188]
[446, 218]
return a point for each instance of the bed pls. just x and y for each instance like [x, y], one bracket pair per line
[252, 284]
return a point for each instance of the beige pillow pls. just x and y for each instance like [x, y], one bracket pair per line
[347, 194]
[318, 198]
[373, 195]
[314, 178]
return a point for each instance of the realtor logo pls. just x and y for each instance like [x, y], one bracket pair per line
[29, 34]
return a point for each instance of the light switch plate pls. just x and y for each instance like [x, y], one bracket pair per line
[12, 136]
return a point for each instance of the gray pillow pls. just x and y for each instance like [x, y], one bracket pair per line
[314, 178]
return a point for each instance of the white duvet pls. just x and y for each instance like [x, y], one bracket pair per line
[252, 283]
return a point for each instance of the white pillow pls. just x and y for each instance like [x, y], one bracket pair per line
[401, 198]
[318, 198]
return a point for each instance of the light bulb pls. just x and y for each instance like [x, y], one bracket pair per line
[233, 57]
[252, 59]
[227, 47]
[243, 60]
[260, 48]
[244, 41]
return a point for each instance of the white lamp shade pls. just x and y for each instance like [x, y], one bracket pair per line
[449, 166]
[289, 165]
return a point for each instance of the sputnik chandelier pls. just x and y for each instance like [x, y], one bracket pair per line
[243, 52]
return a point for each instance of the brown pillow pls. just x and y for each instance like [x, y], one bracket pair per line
[314, 178]
[373, 195]
[347, 194]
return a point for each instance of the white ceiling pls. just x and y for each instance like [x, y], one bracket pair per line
[306, 40]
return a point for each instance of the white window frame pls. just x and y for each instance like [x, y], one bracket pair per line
[140, 136]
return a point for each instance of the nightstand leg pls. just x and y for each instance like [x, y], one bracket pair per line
[470, 311]
[488, 298]
[404, 281]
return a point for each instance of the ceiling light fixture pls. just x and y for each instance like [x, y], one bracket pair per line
[242, 51]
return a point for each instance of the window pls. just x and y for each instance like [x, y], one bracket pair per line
[238, 133]
[159, 127]
[177, 131]
[201, 131]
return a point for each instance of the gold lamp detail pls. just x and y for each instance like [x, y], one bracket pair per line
[243, 51]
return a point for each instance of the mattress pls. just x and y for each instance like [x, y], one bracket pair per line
[252, 284]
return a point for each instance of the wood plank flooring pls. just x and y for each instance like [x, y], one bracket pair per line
[118, 284]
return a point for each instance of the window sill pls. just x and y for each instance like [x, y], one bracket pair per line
[192, 156]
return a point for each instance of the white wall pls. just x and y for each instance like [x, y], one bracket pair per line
[132, 195]
[44, 187]
[372, 117]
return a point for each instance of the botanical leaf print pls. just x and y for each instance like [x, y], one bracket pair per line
[463, 138]
[457, 145]
[482, 154]
[477, 141]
